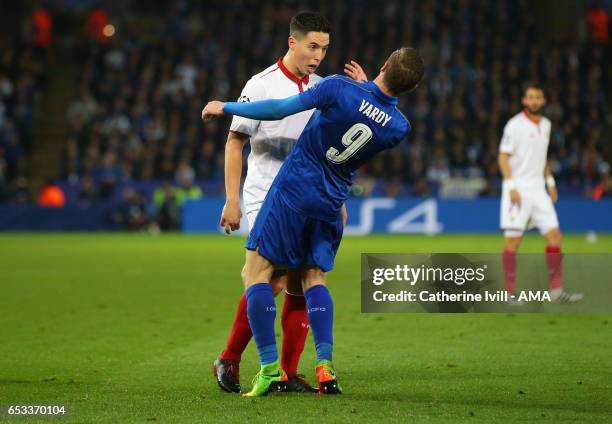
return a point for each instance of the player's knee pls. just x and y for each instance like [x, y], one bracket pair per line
[278, 282]
[553, 237]
[512, 244]
[312, 277]
[306, 285]
[277, 287]
[257, 269]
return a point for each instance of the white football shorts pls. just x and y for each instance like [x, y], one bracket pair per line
[536, 210]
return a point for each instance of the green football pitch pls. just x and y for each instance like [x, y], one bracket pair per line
[124, 328]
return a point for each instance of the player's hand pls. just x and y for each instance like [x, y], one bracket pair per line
[230, 216]
[212, 110]
[355, 71]
[554, 195]
[515, 197]
[344, 214]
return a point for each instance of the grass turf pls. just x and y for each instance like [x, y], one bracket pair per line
[123, 328]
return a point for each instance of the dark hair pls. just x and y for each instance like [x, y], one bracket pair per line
[404, 71]
[531, 84]
[304, 22]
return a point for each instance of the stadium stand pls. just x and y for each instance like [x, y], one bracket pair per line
[134, 118]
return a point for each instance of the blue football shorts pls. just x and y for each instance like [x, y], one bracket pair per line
[287, 238]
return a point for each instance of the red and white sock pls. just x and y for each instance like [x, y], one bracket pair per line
[294, 320]
[554, 261]
[509, 265]
[240, 335]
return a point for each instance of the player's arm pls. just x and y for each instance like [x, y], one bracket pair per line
[263, 110]
[231, 214]
[550, 183]
[503, 160]
[507, 147]
[321, 96]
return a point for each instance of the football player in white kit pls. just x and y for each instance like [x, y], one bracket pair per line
[525, 202]
[271, 142]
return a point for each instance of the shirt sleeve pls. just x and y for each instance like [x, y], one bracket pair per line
[323, 94]
[508, 141]
[267, 110]
[252, 92]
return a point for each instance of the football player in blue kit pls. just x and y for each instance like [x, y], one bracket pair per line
[299, 224]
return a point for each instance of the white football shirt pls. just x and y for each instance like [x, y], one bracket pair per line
[271, 141]
[526, 141]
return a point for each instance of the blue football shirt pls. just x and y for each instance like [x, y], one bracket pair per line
[353, 122]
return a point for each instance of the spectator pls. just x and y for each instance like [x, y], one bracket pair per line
[71, 163]
[186, 189]
[84, 107]
[87, 192]
[140, 98]
[19, 193]
[131, 213]
[167, 208]
[107, 175]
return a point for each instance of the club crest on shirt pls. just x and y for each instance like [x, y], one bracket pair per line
[243, 99]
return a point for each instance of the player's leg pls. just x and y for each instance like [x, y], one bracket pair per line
[226, 367]
[240, 334]
[320, 308]
[277, 237]
[512, 242]
[554, 259]
[323, 240]
[545, 218]
[294, 321]
[321, 316]
[513, 221]
[261, 311]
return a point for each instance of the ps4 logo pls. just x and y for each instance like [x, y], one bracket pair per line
[372, 214]
[420, 219]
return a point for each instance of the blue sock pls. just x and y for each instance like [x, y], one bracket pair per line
[320, 309]
[261, 310]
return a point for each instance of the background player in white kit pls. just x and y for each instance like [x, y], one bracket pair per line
[525, 202]
[271, 142]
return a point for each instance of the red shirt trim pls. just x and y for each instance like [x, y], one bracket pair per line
[299, 81]
[534, 120]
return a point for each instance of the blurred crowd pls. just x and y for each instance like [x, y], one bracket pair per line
[135, 116]
[21, 79]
